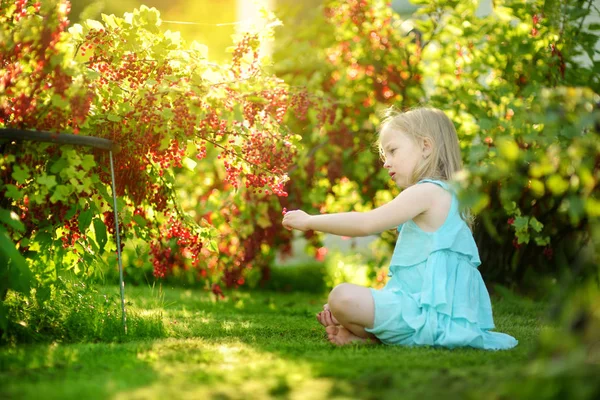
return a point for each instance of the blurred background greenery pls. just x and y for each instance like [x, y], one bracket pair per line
[213, 19]
[566, 358]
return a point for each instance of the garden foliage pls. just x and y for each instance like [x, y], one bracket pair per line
[521, 85]
[159, 100]
[208, 152]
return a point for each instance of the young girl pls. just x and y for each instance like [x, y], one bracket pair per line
[435, 295]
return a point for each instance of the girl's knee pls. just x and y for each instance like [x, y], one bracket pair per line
[340, 297]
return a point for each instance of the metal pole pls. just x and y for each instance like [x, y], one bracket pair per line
[58, 138]
[121, 283]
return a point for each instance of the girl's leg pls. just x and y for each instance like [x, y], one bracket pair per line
[353, 307]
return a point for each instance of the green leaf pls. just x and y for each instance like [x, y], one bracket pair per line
[148, 15]
[61, 193]
[189, 163]
[13, 192]
[76, 32]
[20, 174]
[592, 207]
[200, 48]
[91, 24]
[557, 185]
[521, 223]
[47, 180]
[523, 237]
[59, 165]
[508, 149]
[542, 241]
[165, 143]
[87, 184]
[512, 206]
[535, 224]
[576, 208]
[125, 108]
[71, 212]
[3, 316]
[478, 152]
[478, 202]
[537, 187]
[140, 220]
[454, 30]
[59, 102]
[105, 195]
[110, 21]
[19, 276]
[42, 293]
[173, 37]
[100, 230]
[85, 219]
[212, 246]
[167, 113]
[43, 239]
[88, 162]
[238, 113]
[11, 219]
[113, 117]
[485, 123]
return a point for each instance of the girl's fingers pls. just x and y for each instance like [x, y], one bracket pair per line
[321, 318]
[286, 223]
[328, 318]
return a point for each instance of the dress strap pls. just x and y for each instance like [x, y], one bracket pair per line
[437, 182]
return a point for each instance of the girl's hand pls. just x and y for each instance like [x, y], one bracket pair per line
[296, 219]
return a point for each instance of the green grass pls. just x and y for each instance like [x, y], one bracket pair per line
[258, 345]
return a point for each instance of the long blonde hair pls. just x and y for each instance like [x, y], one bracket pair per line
[431, 123]
[420, 123]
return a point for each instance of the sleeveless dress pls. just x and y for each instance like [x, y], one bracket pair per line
[435, 295]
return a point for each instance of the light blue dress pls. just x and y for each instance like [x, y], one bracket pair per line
[435, 295]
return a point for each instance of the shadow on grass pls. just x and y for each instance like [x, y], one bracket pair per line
[55, 371]
[258, 345]
[283, 325]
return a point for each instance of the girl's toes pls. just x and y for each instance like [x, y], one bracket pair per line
[332, 338]
[333, 334]
[320, 319]
[332, 330]
[326, 317]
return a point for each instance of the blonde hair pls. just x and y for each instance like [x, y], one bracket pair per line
[445, 159]
[433, 124]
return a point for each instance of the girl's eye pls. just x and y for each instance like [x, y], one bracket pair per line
[392, 151]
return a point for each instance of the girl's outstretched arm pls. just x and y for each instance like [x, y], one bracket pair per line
[413, 201]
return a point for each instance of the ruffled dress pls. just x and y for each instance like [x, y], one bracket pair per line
[435, 295]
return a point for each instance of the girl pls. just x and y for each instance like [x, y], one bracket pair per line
[436, 295]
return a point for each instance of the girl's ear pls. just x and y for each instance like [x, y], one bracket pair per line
[427, 147]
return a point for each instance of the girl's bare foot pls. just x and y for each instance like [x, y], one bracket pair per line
[340, 336]
[326, 318]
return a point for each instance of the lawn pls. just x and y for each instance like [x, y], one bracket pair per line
[259, 345]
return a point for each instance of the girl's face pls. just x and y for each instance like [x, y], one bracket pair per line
[402, 155]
